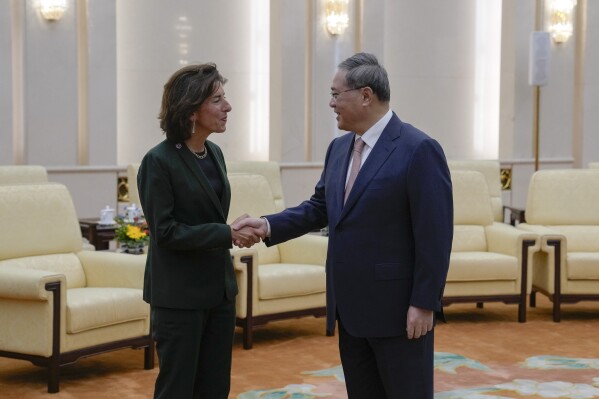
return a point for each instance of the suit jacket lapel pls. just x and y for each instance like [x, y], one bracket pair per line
[225, 200]
[376, 159]
[192, 164]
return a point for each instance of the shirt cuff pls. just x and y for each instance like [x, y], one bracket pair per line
[267, 226]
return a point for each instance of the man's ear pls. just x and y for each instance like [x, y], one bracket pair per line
[367, 95]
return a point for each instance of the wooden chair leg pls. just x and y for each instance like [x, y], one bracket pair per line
[522, 310]
[54, 360]
[149, 352]
[330, 333]
[533, 299]
[247, 335]
[556, 308]
[53, 376]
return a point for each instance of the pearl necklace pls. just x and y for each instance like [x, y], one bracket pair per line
[199, 155]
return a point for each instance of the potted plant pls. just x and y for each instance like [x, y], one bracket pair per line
[132, 236]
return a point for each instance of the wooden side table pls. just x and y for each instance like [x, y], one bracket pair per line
[99, 235]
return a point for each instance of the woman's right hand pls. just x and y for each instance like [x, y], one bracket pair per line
[246, 236]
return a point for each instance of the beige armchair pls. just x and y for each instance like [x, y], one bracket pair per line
[490, 170]
[30, 174]
[22, 174]
[132, 183]
[563, 208]
[490, 261]
[269, 169]
[57, 302]
[279, 282]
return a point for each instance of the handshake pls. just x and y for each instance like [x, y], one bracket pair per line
[247, 231]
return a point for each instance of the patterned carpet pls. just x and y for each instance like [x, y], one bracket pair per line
[480, 354]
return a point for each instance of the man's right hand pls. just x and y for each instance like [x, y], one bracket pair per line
[259, 225]
[246, 229]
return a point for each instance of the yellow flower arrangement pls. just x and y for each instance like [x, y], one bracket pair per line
[135, 233]
[132, 235]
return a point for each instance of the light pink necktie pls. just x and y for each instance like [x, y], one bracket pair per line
[355, 166]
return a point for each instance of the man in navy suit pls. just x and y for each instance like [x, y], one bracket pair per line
[385, 193]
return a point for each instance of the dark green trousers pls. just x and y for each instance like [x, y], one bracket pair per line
[194, 351]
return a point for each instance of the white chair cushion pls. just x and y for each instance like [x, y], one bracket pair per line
[132, 170]
[282, 280]
[269, 169]
[251, 194]
[469, 238]
[89, 308]
[23, 174]
[482, 266]
[563, 197]
[583, 265]
[37, 219]
[580, 238]
[490, 169]
[471, 200]
[67, 264]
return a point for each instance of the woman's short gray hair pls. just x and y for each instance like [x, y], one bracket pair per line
[364, 70]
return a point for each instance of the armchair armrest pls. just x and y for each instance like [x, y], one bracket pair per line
[28, 284]
[553, 268]
[110, 269]
[245, 262]
[546, 235]
[308, 249]
[505, 239]
[239, 257]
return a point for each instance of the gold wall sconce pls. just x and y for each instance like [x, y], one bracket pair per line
[52, 10]
[560, 19]
[336, 14]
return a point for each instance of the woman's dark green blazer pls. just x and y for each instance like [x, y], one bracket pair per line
[189, 264]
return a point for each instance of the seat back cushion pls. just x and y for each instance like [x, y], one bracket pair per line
[37, 219]
[471, 201]
[563, 197]
[22, 174]
[491, 171]
[580, 238]
[251, 194]
[132, 183]
[270, 170]
[468, 238]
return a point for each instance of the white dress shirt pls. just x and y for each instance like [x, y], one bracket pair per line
[370, 137]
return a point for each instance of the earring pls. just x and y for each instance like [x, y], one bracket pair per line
[193, 127]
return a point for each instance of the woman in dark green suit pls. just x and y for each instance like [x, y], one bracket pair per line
[189, 279]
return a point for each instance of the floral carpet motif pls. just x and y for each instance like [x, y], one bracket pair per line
[481, 353]
[449, 363]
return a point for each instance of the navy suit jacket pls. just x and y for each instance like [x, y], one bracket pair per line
[389, 245]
